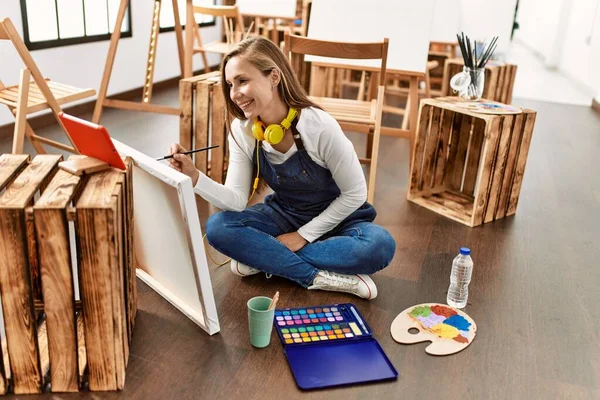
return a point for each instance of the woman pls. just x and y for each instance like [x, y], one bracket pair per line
[316, 228]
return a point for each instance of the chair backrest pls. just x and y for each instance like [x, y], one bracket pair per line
[226, 12]
[218, 11]
[231, 12]
[341, 50]
[443, 47]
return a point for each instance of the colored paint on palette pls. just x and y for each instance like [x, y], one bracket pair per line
[316, 324]
[305, 316]
[449, 330]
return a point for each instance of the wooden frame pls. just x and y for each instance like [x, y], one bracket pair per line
[469, 166]
[170, 253]
[28, 97]
[202, 107]
[365, 115]
[145, 105]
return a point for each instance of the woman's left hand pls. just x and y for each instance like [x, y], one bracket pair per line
[293, 241]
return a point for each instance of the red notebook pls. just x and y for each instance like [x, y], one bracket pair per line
[92, 140]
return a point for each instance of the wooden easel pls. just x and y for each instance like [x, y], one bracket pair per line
[145, 104]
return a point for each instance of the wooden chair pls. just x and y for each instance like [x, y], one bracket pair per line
[233, 25]
[440, 52]
[275, 27]
[355, 115]
[29, 97]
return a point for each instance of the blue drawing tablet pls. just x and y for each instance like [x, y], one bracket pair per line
[331, 346]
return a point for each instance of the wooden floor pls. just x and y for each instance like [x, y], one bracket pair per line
[534, 294]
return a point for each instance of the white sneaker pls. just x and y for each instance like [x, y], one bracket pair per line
[359, 285]
[241, 269]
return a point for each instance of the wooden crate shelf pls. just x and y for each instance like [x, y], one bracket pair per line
[203, 122]
[53, 341]
[455, 205]
[469, 166]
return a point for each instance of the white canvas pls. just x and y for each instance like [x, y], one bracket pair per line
[170, 253]
[406, 23]
[271, 8]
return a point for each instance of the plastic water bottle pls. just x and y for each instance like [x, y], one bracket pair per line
[460, 277]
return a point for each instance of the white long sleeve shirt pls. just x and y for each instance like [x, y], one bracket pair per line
[326, 145]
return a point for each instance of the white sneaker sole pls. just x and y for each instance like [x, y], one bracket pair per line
[242, 270]
[365, 279]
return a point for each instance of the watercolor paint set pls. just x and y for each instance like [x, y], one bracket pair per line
[331, 346]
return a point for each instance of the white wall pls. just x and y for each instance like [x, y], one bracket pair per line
[566, 34]
[581, 48]
[484, 19]
[595, 57]
[82, 65]
[538, 20]
[479, 19]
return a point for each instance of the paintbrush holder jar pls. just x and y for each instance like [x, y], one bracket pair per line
[469, 83]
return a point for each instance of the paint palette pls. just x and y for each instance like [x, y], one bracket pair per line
[488, 107]
[449, 330]
[318, 324]
[331, 346]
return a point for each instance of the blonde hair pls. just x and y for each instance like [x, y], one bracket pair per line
[266, 57]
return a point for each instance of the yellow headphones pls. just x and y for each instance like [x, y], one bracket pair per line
[273, 133]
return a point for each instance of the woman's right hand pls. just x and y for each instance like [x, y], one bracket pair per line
[183, 163]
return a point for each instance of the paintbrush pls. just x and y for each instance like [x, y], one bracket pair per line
[187, 152]
[273, 302]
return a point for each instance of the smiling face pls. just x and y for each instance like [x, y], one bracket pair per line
[249, 88]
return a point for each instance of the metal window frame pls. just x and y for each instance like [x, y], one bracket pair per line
[201, 25]
[47, 44]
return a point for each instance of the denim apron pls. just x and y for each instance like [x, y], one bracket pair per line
[302, 190]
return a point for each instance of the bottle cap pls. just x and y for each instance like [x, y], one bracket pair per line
[465, 251]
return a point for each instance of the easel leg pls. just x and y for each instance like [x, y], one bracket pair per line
[202, 53]
[110, 60]
[149, 81]
[178, 36]
[21, 112]
[189, 39]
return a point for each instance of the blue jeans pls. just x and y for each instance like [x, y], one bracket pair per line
[250, 237]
